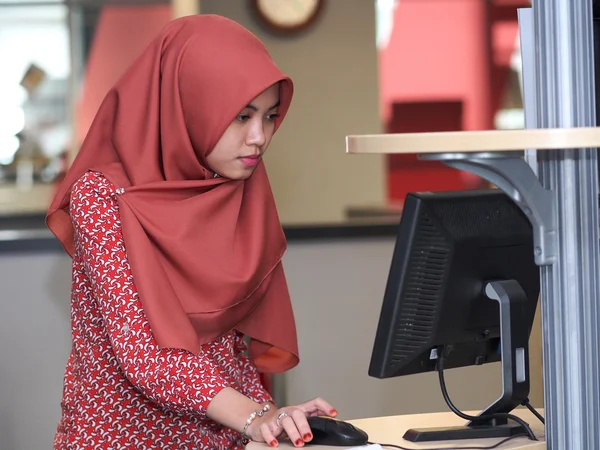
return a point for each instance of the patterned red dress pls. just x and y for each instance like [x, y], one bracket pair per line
[120, 390]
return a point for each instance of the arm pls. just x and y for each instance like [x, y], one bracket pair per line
[224, 405]
[231, 409]
[174, 379]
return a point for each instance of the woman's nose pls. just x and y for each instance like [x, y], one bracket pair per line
[256, 134]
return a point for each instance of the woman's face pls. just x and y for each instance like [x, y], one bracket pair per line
[247, 138]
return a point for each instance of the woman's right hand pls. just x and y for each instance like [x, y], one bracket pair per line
[290, 421]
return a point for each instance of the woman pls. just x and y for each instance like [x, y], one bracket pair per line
[168, 215]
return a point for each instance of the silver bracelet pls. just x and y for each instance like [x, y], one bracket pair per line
[254, 415]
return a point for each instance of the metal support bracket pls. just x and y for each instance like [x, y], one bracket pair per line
[517, 179]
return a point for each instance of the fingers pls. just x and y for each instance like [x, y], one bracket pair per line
[268, 435]
[296, 427]
[302, 425]
[288, 422]
[319, 407]
[292, 421]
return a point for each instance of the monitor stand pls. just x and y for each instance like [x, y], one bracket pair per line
[514, 341]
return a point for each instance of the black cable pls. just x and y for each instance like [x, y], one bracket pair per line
[533, 410]
[455, 410]
[482, 418]
[491, 447]
[529, 432]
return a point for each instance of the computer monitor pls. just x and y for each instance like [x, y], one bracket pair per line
[462, 290]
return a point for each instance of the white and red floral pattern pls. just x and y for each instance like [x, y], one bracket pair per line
[120, 390]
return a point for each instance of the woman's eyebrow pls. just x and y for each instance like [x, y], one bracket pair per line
[254, 108]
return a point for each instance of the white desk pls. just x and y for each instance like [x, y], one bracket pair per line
[389, 430]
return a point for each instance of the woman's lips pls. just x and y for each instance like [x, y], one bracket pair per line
[250, 161]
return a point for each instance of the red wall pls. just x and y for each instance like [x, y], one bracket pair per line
[438, 51]
[444, 69]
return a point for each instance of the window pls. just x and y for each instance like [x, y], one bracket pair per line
[35, 114]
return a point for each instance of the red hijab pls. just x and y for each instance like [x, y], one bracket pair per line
[205, 252]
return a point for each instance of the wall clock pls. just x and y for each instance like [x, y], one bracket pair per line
[287, 16]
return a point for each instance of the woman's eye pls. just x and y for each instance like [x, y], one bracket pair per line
[242, 117]
[273, 116]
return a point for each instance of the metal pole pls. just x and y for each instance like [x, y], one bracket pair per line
[570, 286]
[528, 77]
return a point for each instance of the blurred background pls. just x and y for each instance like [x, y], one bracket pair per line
[359, 67]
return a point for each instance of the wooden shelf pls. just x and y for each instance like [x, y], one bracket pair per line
[475, 141]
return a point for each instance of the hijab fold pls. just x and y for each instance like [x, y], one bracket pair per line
[205, 252]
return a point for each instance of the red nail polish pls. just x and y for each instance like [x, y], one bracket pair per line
[273, 443]
[307, 437]
[333, 412]
[299, 442]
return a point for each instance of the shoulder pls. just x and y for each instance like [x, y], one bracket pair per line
[94, 214]
[92, 183]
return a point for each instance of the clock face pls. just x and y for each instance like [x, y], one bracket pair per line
[288, 14]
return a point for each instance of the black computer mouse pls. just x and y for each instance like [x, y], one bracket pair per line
[327, 431]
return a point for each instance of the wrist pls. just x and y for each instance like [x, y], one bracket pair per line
[251, 429]
[231, 409]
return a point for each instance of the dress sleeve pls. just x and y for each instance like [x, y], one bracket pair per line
[174, 379]
[253, 387]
